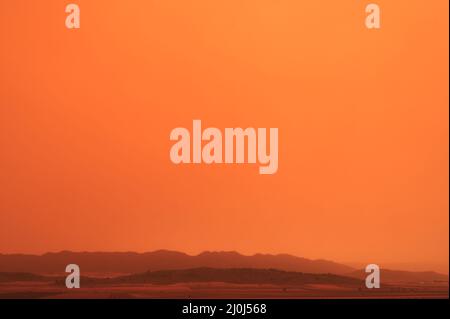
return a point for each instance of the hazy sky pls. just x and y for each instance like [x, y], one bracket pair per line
[85, 118]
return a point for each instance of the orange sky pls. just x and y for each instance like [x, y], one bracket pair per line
[85, 117]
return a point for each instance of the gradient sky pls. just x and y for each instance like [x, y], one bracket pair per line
[85, 117]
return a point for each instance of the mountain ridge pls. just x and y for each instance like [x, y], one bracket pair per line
[163, 260]
[133, 262]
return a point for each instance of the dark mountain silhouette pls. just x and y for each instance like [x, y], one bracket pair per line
[233, 275]
[387, 275]
[129, 262]
[197, 275]
[134, 263]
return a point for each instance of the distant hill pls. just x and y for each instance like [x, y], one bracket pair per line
[93, 263]
[198, 275]
[234, 275]
[387, 275]
[129, 262]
